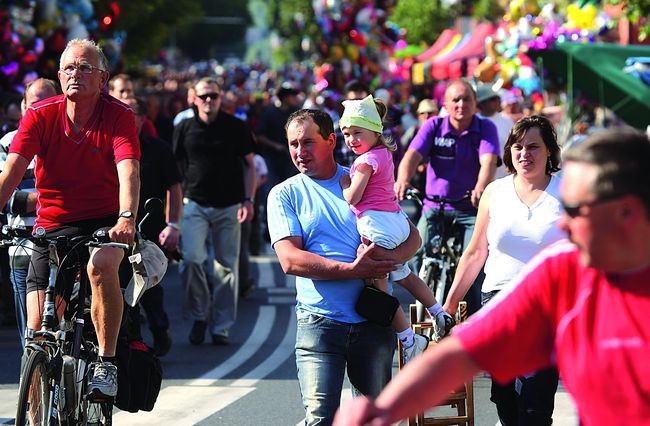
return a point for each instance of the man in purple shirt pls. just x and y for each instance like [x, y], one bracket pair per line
[462, 151]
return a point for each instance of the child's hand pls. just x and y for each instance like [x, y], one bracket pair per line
[345, 181]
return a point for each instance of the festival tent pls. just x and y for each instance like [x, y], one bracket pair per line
[596, 71]
[421, 71]
[443, 40]
[471, 47]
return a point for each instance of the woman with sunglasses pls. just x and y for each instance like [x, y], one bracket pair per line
[517, 217]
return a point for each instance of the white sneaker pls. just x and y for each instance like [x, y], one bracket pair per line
[420, 343]
[442, 325]
[103, 384]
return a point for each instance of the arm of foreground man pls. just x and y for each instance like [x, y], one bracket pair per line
[297, 261]
[423, 383]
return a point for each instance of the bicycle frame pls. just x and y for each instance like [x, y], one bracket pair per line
[55, 340]
[52, 338]
[441, 255]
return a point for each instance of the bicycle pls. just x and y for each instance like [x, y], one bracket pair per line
[442, 252]
[59, 358]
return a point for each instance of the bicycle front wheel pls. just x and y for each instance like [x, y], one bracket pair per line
[98, 413]
[34, 391]
[440, 285]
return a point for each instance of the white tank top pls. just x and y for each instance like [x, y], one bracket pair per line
[515, 232]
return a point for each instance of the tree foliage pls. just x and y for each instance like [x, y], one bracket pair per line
[208, 37]
[292, 20]
[148, 24]
[638, 12]
[423, 20]
[488, 10]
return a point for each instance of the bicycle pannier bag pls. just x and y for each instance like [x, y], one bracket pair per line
[139, 376]
[376, 306]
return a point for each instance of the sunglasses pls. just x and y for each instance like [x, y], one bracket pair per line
[214, 96]
[574, 210]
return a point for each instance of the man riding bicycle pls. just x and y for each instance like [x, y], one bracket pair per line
[461, 149]
[87, 177]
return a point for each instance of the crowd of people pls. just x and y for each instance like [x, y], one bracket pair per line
[320, 177]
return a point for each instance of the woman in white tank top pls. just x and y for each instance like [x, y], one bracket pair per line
[516, 218]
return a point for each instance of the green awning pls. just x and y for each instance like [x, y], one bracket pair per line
[596, 72]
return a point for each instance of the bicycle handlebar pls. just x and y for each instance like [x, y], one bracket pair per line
[414, 194]
[98, 239]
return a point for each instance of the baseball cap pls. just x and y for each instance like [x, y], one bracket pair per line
[485, 92]
[427, 105]
[149, 265]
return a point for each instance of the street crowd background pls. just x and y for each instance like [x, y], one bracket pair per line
[403, 51]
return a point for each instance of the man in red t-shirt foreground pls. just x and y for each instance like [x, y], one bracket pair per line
[580, 305]
[87, 177]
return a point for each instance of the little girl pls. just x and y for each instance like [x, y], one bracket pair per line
[369, 190]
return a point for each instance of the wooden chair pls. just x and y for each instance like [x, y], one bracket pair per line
[462, 400]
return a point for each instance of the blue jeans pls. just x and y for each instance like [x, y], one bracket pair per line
[18, 279]
[429, 226]
[325, 348]
[218, 305]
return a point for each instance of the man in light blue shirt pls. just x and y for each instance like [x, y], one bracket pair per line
[313, 232]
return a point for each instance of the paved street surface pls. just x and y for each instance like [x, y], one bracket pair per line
[250, 382]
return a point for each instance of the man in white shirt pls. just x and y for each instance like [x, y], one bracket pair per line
[489, 106]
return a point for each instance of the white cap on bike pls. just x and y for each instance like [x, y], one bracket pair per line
[149, 265]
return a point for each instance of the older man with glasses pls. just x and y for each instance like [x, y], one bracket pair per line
[87, 177]
[215, 152]
[582, 304]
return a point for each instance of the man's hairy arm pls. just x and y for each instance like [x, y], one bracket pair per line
[485, 176]
[297, 261]
[128, 173]
[406, 171]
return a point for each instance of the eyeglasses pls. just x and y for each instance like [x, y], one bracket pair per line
[214, 96]
[574, 210]
[83, 68]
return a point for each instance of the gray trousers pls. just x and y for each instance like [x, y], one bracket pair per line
[215, 304]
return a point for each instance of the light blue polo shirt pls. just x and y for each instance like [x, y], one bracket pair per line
[316, 211]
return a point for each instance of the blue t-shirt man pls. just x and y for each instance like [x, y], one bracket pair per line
[314, 234]
[316, 211]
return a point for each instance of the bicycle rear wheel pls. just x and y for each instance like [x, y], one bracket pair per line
[34, 391]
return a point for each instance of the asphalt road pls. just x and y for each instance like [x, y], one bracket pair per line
[250, 382]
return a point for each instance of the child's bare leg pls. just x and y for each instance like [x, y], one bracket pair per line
[418, 289]
[400, 323]
[381, 284]
[422, 293]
